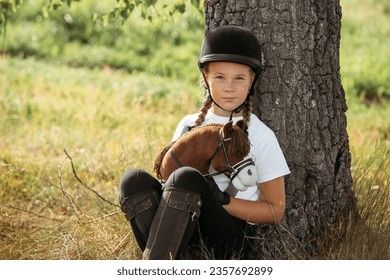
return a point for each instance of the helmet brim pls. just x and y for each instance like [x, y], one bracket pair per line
[255, 64]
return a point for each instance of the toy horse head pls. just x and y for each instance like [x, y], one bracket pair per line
[221, 146]
[233, 146]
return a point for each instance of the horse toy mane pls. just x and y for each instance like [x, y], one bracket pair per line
[201, 148]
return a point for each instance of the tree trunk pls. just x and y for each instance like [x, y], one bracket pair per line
[300, 97]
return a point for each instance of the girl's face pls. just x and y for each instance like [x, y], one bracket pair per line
[229, 85]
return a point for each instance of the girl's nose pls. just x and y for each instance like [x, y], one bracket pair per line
[229, 86]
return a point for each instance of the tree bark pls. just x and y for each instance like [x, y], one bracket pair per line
[300, 97]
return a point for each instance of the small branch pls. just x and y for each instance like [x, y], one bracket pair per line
[32, 213]
[85, 185]
[70, 199]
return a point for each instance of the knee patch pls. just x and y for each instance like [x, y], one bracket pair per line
[135, 181]
[187, 178]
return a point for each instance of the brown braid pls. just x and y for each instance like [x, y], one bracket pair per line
[206, 105]
[247, 112]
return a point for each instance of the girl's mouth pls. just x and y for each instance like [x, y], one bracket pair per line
[228, 99]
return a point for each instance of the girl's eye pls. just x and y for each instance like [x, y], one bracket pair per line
[219, 77]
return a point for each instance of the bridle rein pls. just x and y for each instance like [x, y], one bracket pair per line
[231, 171]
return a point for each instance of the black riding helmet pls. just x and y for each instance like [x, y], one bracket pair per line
[232, 43]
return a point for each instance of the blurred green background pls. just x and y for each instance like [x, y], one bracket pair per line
[157, 40]
[168, 45]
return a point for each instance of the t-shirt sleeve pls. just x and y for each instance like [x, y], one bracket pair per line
[270, 161]
[182, 127]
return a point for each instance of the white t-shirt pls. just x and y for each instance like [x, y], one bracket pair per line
[265, 151]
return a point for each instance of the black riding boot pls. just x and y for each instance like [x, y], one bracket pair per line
[139, 210]
[173, 225]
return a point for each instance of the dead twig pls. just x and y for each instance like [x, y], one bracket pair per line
[70, 199]
[32, 213]
[85, 185]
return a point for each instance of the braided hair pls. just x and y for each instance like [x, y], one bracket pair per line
[206, 105]
[248, 111]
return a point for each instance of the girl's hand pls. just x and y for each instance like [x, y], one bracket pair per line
[221, 196]
[270, 208]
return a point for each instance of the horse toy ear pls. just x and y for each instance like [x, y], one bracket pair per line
[239, 144]
[227, 130]
[240, 124]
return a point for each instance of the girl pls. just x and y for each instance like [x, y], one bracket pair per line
[190, 213]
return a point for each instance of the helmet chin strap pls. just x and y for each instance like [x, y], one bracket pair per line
[237, 110]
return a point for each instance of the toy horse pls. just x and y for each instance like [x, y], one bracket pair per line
[223, 147]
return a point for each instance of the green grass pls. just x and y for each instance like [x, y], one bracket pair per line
[56, 106]
[365, 49]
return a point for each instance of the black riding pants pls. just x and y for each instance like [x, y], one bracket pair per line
[221, 234]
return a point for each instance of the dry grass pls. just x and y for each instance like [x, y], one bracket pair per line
[74, 224]
[364, 235]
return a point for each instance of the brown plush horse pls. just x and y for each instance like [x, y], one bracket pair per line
[220, 146]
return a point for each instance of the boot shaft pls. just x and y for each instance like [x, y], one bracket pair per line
[173, 224]
[139, 210]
